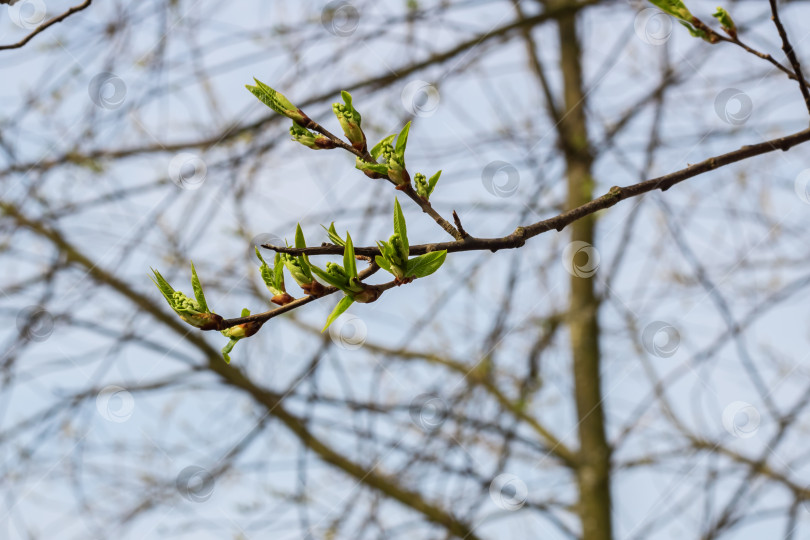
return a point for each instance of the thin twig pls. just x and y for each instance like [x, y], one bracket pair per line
[42, 27]
[267, 315]
[791, 54]
[457, 220]
[407, 189]
[560, 221]
[715, 37]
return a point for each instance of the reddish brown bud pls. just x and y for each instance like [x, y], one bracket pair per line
[313, 289]
[282, 299]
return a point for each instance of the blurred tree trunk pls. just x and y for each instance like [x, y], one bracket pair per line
[593, 470]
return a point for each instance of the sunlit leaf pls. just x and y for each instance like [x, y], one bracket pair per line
[426, 264]
[341, 306]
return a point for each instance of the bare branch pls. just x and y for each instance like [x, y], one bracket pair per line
[560, 221]
[47, 24]
[791, 54]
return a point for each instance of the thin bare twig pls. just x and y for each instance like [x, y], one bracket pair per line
[42, 27]
[791, 54]
[560, 221]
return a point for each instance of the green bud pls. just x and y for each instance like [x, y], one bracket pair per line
[278, 102]
[371, 168]
[726, 21]
[394, 157]
[337, 271]
[397, 172]
[236, 332]
[300, 274]
[274, 279]
[349, 120]
[400, 251]
[310, 139]
[377, 151]
[194, 312]
[391, 259]
[240, 331]
[420, 183]
[424, 186]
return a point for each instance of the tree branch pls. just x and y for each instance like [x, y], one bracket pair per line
[560, 221]
[791, 54]
[232, 376]
[407, 189]
[44, 26]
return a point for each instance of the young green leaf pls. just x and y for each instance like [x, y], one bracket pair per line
[235, 333]
[278, 102]
[300, 242]
[166, 289]
[726, 21]
[676, 8]
[341, 306]
[696, 32]
[349, 262]
[383, 263]
[426, 264]
[432, 181]
[334, 237]
[191, 311]
[278, 272]
[402, 140]
[226, 350]
[273, 277]
[198, 292]
[331, 277]
[399, 225]
[368, 167]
